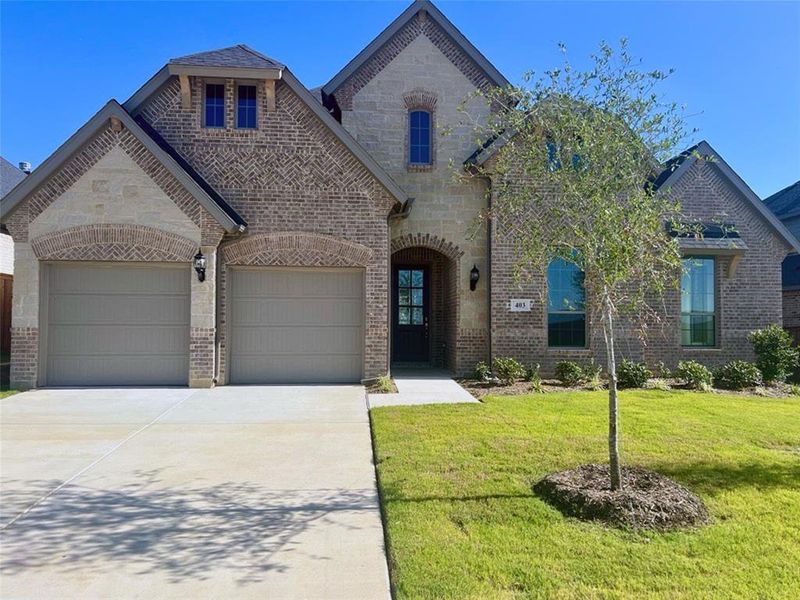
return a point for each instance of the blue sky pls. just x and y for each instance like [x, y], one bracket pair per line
[738, 63]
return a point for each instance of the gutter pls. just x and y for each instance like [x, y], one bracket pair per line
[404, 211]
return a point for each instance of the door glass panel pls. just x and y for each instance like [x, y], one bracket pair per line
[404, 278]
[403, 315]
[410, 297]
[416, 297]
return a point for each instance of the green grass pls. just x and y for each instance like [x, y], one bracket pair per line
[456, 481]
[7, 393]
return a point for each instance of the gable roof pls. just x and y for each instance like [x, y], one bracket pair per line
[401, 21]
[679, 165]
[785, 203]
[10, 176]
[239, 56]
[220, 211]
[245, 54]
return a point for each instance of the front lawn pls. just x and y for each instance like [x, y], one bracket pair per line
[456, 481]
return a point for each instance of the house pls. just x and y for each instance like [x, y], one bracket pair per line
[10, 176]
[786, 206]
[227, 225]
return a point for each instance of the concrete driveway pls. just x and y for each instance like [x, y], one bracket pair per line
[238, 492]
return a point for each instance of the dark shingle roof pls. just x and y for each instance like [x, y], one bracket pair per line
[239, 56]
[10, 176]
[785, 203]
[164, 145]
[670, 167]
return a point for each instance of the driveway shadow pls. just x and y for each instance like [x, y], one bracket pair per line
[183, 532]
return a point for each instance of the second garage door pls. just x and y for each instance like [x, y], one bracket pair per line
[116, 324]
[296, 325]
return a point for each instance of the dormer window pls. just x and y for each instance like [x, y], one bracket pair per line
[419, 137]
[246, 107]
[215, 105]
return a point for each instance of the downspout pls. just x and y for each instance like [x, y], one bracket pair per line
[489, 223]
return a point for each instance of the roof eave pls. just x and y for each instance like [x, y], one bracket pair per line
[228, 72]
[79, 138]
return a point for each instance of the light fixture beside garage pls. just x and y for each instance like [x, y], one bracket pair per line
[200, 266]
[474, 276]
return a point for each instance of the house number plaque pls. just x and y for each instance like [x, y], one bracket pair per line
[520, 306]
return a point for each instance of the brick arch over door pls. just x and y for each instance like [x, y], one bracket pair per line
[442, 258]
[114, 242]
[296, 249]
[425, 240]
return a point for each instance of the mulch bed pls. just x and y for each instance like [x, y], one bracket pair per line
[647, 499]
[479, 389]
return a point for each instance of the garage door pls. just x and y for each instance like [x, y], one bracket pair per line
[116, 324]
[296, 325]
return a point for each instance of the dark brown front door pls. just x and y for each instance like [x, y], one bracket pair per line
[410, 314]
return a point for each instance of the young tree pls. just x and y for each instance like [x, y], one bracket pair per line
[575, 152]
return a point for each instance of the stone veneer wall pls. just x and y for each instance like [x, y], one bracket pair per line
[290, 176]
[111, 201]
[747, 300]
[421, 67]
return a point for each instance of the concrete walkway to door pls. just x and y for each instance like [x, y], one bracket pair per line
[236, 492]
[422, 386]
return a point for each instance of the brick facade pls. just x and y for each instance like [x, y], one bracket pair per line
[748, 297]
[307, 200]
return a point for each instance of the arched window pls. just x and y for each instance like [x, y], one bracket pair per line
[566, 305]
[419, 137]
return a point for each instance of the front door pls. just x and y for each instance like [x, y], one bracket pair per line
[410, 314]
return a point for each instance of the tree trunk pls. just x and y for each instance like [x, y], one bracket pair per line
[613, 412]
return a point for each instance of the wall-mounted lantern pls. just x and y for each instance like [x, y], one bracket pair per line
[474, 276]
[200, 266]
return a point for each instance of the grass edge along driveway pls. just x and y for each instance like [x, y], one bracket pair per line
[455, 484]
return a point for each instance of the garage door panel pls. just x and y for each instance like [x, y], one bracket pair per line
[118, 308]
[292, 340]
[119, 279]
[117, 324]
[306, 368]
[302, 312]
[119, 370]
[87, 340]
[301, 325]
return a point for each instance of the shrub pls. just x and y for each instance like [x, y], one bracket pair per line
[795, 390]
[385, 384]
[775, 356]
[632, 374]
[591, 375]
[508, 370]
[534, 377]
[482, 372]
[695, 375]
[569, 373]
[657, 383]
[662, 370]
[737, 375]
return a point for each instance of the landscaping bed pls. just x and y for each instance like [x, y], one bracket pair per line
[647, 500]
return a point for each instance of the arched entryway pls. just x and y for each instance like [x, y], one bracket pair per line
[425, 302]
